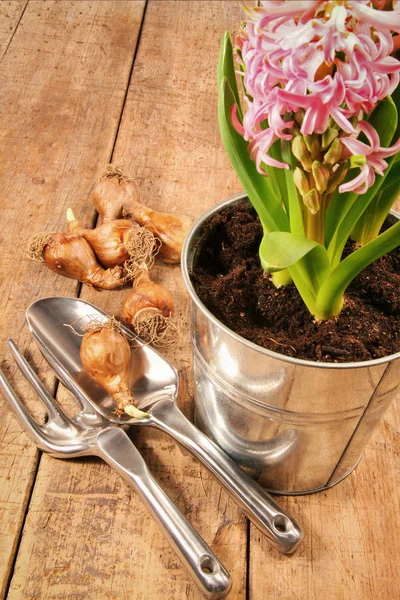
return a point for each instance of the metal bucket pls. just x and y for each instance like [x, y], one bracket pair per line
[297, 426]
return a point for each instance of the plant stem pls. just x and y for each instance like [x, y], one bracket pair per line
[315, 226]
[281, 278]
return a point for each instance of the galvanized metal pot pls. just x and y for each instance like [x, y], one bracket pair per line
[297, 426]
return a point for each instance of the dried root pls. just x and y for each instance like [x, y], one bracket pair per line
[93, 323]
[142, 247]
[116, 170]
[36, 245]
[96, 323]
[155, 329]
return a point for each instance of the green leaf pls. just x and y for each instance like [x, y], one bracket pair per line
[396, 100]
[281, 278]
[384, 119]
[280, 250]
[294, 208]
[330, 296]
[349, 221]
[277, 176]
[369, 226]
[257, 186]
[339, 207]
[226, 68]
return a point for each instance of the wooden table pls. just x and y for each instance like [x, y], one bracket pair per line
[84, 83]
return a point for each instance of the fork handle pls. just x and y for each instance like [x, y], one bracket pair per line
[115, 448]
[280, 528]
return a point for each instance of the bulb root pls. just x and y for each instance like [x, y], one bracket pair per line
[142, 247]
[155, 329]
[36, 245]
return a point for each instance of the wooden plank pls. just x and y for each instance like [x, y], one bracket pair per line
[351, 548]
[86, 535]
[63, 84]
[10, 15]
[97, 539]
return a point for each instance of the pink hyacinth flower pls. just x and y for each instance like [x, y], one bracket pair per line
[374, 155]
[331, 59]
[380, 19]
[259, 145]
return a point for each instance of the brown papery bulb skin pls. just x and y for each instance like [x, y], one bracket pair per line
[147, 294]
[111, 194]
[106, 356]
[72, 256]
[170, 228]
[107, 240]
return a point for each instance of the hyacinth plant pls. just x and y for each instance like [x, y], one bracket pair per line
[316, 146]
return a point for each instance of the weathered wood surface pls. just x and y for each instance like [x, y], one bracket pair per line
[63, 83]
[10, 15]
[80, 558]
[71, 103]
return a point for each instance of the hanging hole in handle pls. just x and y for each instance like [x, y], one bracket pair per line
[208, 565]
[281, 524]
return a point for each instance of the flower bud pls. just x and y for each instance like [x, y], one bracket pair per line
[311, 201]
[332, 123]
[300, 151]
[337, 177]
[328, 136]
[334, 153]
[357, 160]
[299, 116]
[321, 174]
[313, 144]
[295, 131]
[354, 120]
[301, 181]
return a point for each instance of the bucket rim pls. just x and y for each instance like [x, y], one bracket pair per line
[187, 251]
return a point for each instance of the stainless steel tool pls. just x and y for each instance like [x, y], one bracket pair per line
[88, 433]
[155, 386]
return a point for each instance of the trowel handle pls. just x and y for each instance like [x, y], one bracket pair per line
[281, 529]
[213, 580]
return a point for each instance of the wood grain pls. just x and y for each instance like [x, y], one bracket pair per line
[63, 83]
[10, 15]
[113, 548]
[64, 78]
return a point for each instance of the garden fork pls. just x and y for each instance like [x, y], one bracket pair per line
[88, 433]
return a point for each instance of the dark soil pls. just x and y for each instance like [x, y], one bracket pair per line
[229, 280]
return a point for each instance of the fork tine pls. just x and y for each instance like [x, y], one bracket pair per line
[51, 405]
[24, 417]
[66, 379]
